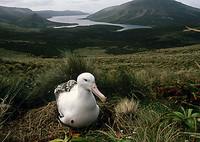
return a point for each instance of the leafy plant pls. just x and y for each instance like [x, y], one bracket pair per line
[70, 138]
[186, 118]
[113, 138]
[66, 139]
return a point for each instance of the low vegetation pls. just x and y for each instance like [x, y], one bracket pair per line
[144, 91]
[143, 77]
[49, 42]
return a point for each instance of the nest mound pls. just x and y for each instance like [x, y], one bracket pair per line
[42, 124]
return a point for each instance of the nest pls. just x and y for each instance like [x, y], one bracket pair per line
[40, 124]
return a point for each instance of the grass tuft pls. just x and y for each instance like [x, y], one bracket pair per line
[126, 107]
[68, 68]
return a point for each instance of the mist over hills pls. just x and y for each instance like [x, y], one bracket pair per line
[149, 12]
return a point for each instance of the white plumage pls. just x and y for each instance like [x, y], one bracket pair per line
[78, 108]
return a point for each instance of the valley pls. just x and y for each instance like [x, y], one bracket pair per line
[48, 42]
[81, 20]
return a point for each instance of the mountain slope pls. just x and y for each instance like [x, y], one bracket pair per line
[50, 13]
[35, 21]
[149, 12]
[27, 18]
[12, 14]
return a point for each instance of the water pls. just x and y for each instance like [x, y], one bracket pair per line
[80, 21]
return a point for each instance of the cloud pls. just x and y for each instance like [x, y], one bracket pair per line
[7, 1]
[37, 2]
[82, 5]
[194, 3]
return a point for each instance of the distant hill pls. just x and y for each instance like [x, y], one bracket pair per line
[27, 18]
[50, 13]
[12, 14]
[36, 21]
[149, 12]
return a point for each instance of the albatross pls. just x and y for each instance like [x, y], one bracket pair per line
[76, 103]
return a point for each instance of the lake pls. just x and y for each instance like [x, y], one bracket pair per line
[81, 21]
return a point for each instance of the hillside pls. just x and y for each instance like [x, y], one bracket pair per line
[35, 21]
[12, 14]
[149, 12]
[27, 18]
[152, 77]
[50, 13]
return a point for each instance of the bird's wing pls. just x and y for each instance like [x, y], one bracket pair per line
[64, 87]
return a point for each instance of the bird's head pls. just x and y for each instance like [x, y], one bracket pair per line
[87, 81]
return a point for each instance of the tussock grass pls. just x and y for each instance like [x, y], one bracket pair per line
[146, 117]
[125, 111]
[119, 84]
[139, 129]
[130, 76]
[126, 107]
[10, 94]
[68, 68]
[42, 124]
[147, 79]
[173, 59]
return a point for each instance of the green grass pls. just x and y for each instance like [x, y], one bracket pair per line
[10, 90]
[125, 78]
[47, 42]
[135, 119]
[15, 28]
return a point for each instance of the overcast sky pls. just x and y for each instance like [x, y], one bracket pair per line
[90, 6]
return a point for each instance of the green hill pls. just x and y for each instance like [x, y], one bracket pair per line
[25, 17]
[50, 13]
[35, 21]
[149, 12]
[12, 14]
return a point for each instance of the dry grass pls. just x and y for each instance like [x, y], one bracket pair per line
[173, 59]
[39, 124]
[179, 58]
[149, 67]
[126, 107]
[133, 124]
[165, 133]
[125, 113]
[42, 124]
[138, 128]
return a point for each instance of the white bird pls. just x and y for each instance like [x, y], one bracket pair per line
[76, 103]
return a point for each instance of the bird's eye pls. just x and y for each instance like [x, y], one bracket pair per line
[86, 80]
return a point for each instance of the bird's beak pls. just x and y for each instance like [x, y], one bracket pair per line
[96, 91]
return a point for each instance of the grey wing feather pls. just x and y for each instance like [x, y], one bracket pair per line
[64, 87]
